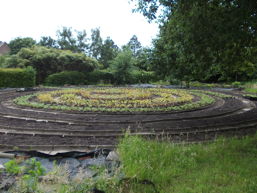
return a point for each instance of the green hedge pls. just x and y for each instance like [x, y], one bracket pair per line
[99, 76]
[66, 77]
[136, 76]
[141, 76]
[17, 77]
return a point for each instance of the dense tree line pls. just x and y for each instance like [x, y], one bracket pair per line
[212, 40]
[208, 41]
[74, 51]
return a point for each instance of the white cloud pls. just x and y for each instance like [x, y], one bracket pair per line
[36, 18]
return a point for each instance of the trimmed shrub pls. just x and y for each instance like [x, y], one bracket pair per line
[66, 77]
[99, 76]
[17, 77]
[135, 76]
[141, 76]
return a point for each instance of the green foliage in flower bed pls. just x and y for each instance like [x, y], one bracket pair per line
[217, 94]
[251, 90]
[117, 100]
[250, 96]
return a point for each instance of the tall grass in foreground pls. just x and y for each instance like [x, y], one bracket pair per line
[225, 166]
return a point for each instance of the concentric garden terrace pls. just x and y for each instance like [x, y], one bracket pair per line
[87, 118]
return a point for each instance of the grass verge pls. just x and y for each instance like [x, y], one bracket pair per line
[227, 165]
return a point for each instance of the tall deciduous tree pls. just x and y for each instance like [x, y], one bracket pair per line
[68, 41]
[122, 66]
[134, 45]
[48, 41]
[108, 52]
[96, 43]
[205, 40]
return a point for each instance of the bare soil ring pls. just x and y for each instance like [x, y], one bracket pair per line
[179, 116]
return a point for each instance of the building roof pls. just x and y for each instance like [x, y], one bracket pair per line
[4, 48]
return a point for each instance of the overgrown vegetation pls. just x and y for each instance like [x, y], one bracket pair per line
[149, 166]
[227, 165]
[29, 174]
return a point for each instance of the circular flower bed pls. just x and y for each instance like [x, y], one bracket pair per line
[117, 99]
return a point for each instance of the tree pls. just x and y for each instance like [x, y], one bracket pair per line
[134, 45]
[122, 66]
[18, 43]
[150, 8]
[96, 43]
[205, 40]
[108, 52]
[144, 59]
[68, 41]
[47, 41]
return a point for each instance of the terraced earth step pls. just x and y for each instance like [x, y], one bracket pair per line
[177, 139]
[43, 129]
[85, 122]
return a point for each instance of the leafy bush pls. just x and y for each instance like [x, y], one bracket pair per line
[17, 77]
[48, 61]
[66, 77]
[12, 61]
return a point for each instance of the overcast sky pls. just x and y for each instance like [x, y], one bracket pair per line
[36, 18]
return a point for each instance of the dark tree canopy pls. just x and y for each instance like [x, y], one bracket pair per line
[205, 40]
[18, 43]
